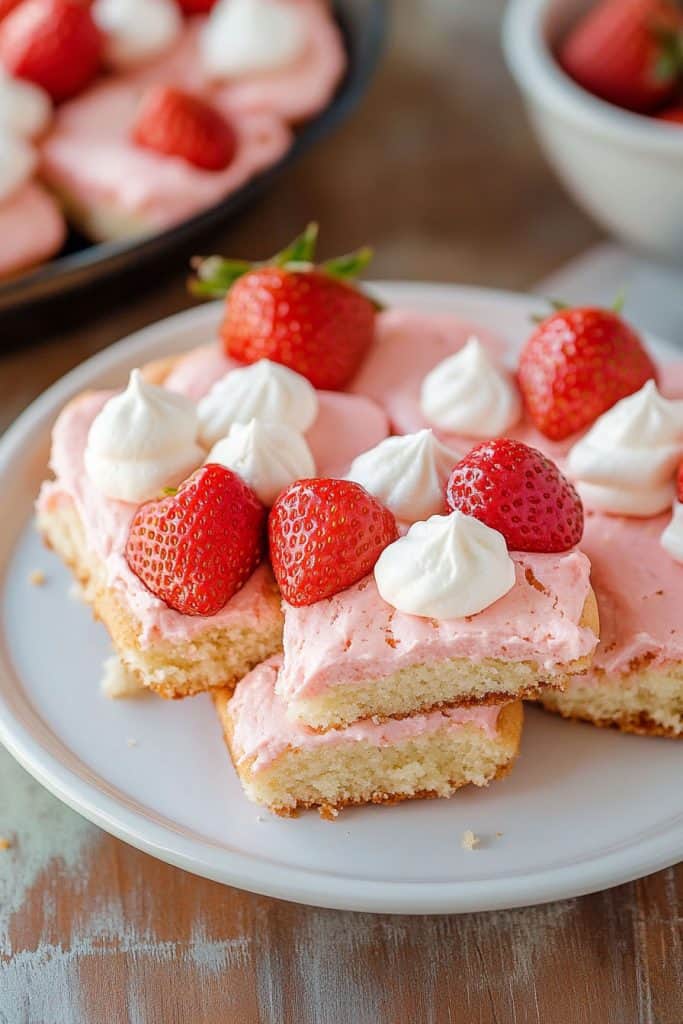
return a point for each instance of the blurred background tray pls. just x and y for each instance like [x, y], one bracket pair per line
[30, 302]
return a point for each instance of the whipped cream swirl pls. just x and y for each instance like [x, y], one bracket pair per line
[265, 391]
[626, 462]
[244, 37]
[468, 394]
[25, 108]
[143, 440]
[268, 456]
[136, 31]
[672, 538]
[447, 567]
[408, 474]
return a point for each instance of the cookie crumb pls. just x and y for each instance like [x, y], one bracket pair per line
[37, 578]
[498, 835]
[469, 840]
[5, 843]
[131, 742]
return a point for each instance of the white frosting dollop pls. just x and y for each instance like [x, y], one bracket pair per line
[408, 474]
[18, 160]
[265, 391]
[141, 441]
[626, 462]
[468, 394]
[268, 456]
[672, 538]
[25, 108]
[445, 568]
[251, 36]
[136, 31]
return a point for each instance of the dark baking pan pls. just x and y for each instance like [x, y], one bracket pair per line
[30, 300]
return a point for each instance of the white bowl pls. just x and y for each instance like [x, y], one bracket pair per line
[626, 170]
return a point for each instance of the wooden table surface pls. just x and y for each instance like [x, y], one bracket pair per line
[439, 170]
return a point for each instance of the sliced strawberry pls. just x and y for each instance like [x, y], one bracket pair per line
[577, 364]
[176, 123]
[309, 318]
[6, 6]
[516, 490]
[627, 52]
[54, 43]
[326, 535]
[196, 548]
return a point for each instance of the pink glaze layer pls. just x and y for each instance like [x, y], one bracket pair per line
[262, 729]
[355, 636]
[640, 593]
[346, 424]
[31, 227]
[90, 158]
[106, 524]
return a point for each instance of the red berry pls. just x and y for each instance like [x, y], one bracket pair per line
[679, 482]
[54, 43]
[176, 123]
[627, 51]
[516, 490]
[674, 114]
[6, 6]
[196, 6]
[310, 322]
[577, 364]
[196, 548]
[326, 535]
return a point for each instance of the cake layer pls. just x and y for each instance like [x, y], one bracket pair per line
[353, 655]
[286, 767]
[194, 656]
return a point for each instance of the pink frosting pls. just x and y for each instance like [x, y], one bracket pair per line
[31, 228]
[355, 635]
[106, 524]
[346, 424]
[263, 730]
[89, 155]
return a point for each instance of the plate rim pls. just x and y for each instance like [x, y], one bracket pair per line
[202, 857]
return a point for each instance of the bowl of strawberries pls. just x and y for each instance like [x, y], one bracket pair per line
[603, 85]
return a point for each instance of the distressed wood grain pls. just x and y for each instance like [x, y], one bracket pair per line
[440, 172]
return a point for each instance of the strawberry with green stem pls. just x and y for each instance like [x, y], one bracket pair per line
[308, 316]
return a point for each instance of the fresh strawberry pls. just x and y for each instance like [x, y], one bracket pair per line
[516, 490]
[673, 114]
[54, 43]
[627, 52]
[325, 535]
[577, 364]
[6, 6]
[195, 548]
[308, 317]
[177, 123]
[679, 483]
[196, 6]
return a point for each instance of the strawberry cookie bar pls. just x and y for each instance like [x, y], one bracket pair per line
[179, 578]
[167, 136]
[287, 767]
[455, 612]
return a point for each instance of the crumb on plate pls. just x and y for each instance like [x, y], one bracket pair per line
[469, 840]
[37, 578]
[5, 843]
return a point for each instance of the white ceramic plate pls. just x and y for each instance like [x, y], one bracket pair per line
[584, 808]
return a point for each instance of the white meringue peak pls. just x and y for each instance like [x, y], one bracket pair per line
[268, 456]
[143, 440]
[407, 473]
[447, 567]
[244, 37]
[468, 394]
[135, 31]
